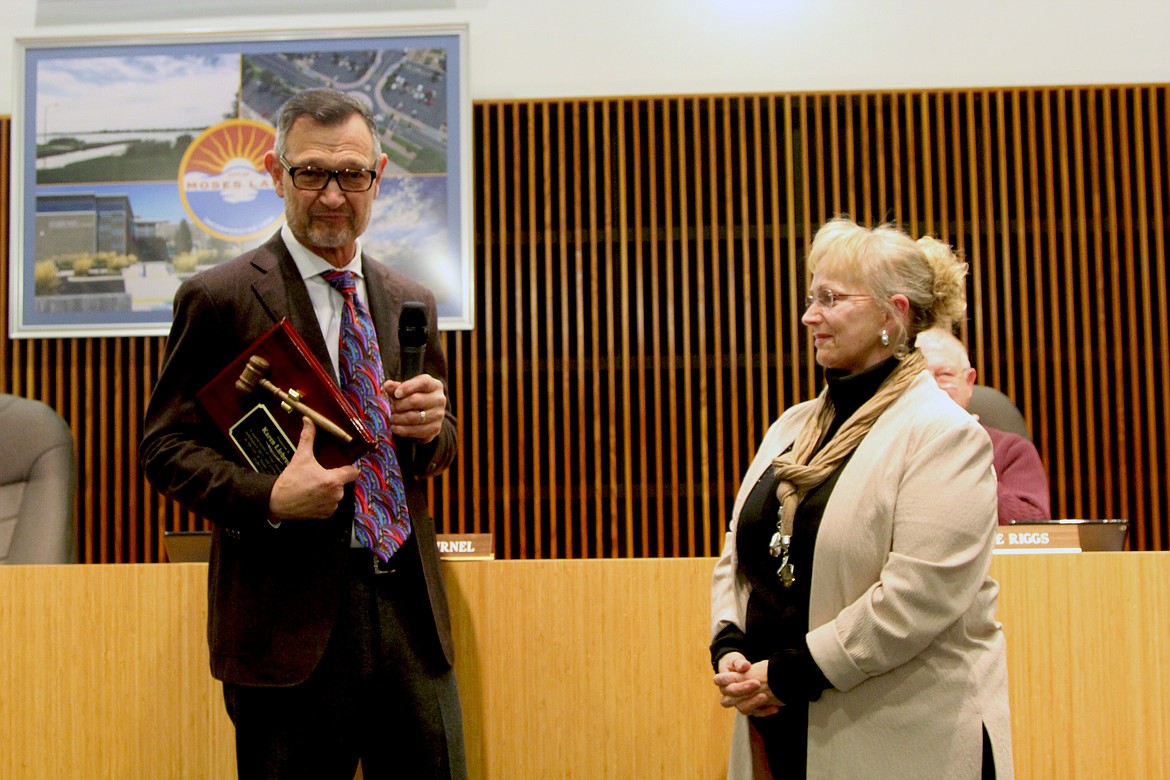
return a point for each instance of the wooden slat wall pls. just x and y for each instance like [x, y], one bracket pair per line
[639, 278]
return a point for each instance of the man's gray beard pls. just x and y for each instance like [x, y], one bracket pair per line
[330, 239]
[326, 237]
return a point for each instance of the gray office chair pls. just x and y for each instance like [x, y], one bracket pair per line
[997, 410]
[38, 480]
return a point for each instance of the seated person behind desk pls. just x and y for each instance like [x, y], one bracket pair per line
[1023, 485]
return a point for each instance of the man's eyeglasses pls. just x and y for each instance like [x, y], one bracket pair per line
[826, 298]
[947, 380]
[310, 177]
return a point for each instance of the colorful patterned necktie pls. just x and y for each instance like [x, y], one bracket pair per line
[381, 517]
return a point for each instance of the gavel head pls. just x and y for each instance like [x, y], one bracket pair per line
[256, 370]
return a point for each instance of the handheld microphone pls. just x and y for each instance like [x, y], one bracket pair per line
[412, 350]
[412, 339]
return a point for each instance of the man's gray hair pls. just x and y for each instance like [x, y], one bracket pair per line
[327, 107]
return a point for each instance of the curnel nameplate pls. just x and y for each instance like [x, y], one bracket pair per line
[195, 546]
[466, 547]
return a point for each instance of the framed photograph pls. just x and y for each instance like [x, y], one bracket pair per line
[136, 164]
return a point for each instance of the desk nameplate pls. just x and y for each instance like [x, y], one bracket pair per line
[195, 546]
[466, 547]
[1041, 538]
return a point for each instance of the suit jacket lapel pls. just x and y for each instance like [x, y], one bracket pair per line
[282, 292]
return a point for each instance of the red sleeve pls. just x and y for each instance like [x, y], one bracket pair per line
[1023, 484]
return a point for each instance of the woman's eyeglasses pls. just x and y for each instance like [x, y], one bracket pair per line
[309, 177]
[826, 298]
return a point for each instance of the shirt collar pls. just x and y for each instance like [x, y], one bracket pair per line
[311, 264]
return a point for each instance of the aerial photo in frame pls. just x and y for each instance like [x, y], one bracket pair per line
[144, 164]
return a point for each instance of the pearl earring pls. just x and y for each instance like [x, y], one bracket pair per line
[885, 338]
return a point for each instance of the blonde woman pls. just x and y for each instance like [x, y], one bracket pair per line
[853, 618]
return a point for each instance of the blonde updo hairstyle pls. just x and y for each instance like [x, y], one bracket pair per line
[883, 262]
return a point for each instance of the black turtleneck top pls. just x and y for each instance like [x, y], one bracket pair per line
[777, 617]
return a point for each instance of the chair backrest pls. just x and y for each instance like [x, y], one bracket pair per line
[997, 410]
[38, 480]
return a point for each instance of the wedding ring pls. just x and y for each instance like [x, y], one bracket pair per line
[422, 415]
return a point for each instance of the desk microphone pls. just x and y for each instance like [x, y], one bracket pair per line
[412, 350]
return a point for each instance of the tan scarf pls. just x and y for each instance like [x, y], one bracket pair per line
[799, 470]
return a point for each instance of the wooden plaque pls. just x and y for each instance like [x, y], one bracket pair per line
[263, 430]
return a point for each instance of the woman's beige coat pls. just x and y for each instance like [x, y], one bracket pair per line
[902, 610]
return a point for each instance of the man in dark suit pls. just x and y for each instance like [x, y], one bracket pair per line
[327, 652]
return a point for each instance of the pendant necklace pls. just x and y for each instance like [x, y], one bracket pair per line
[779, 548]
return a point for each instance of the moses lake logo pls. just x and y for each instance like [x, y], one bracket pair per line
[223, 183]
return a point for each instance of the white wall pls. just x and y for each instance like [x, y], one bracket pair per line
[570, 48]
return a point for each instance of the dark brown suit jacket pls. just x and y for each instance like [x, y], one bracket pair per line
[273, 593]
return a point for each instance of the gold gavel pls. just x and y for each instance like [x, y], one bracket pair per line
[255, 374]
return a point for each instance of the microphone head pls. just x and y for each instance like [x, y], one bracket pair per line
[412, 325]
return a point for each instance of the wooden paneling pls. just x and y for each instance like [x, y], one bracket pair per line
[639, 281]
[1086, 663]
[107, 674]
[595, 669]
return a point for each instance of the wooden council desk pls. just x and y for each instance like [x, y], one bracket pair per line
[591, 669]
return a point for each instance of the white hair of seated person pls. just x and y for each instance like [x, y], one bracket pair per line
[946, 357]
